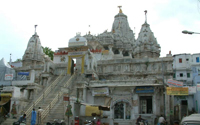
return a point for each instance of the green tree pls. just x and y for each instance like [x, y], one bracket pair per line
[18, 60]
[48, 52]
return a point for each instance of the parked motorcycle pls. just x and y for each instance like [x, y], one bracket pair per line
[143, 122]
[56, 122]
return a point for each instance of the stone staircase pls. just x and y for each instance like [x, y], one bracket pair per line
[58, 112]
[44, 102]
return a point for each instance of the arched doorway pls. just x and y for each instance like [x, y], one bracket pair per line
[122, 110]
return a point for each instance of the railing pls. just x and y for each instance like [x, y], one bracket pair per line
[53, 102]
[45, 93]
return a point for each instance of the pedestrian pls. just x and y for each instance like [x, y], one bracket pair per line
[39, 115]
[33, 117]
[161, 120]
[13, 110]
[22, 119]
[139, 119]
[98, 122]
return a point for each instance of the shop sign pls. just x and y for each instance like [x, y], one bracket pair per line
[8, 76]
[192, 89]
[100, 91]
[177, 91]
[65, 97]
[144, 89]
[174, 83]
[198, 87]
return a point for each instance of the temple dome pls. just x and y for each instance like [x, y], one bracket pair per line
[78, 40]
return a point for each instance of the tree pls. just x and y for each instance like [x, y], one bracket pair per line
[48, 52]
[18, 60]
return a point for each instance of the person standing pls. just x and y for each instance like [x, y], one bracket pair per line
[33, 117]
[161, 120]
[13, 110]
[39, 115]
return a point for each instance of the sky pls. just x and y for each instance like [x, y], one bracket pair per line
[60, 20]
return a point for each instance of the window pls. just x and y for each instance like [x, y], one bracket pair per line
[122, 109]
[181, 74]
[197, 59]
[187, 59]
[180, 60]
[188, 75]
[174, 76]
[146, 105]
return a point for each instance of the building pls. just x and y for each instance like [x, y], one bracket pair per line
[113, 70]
[186, 70]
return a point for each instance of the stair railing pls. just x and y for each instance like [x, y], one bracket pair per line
[45, 93]
[53, 102]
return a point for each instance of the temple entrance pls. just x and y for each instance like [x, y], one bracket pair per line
[71, 63]
[122, 110]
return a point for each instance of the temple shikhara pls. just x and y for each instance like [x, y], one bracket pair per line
[113, 77]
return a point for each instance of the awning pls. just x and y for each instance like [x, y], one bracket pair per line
[89, 110]
[6, 95]
[3, 102]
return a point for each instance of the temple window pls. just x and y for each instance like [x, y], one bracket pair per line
[116, 51]
[146, 105]
[122, 110]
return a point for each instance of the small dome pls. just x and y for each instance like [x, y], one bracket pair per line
[78, 40]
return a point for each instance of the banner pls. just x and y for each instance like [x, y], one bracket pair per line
[177, 91]
[8, 76]
[198, 87]
[174, 83]
[192, 89]
[100, 91]
[144, 89]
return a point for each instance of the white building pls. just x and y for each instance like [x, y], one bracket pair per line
[112, 70]
[186, 67]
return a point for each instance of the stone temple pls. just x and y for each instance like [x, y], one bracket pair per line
[113, 77]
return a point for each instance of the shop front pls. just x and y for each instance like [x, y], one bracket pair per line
[5, 103]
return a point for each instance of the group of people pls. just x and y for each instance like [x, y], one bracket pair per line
[161, 120]
[34, 117]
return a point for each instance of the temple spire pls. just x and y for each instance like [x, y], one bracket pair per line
[120, 10]
[35, 28]
[145, 16]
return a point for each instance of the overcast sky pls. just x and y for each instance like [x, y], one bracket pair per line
[60, 20]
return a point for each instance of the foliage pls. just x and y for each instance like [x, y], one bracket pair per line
[48, 52]
[18, 60]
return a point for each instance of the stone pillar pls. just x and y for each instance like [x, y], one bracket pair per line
[120, 51]
[167, 107]
[84, 94]
[48, 65]
[136, 107]
[69, 65]
[82, 64]
[88, 66]
[32, 78]
[161, 102]
[130, 54]
[110, 49]
[92, 64]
